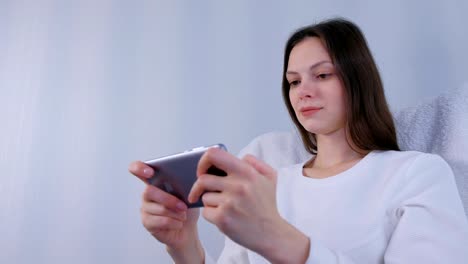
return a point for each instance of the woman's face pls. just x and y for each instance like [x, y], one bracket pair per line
[315, 91]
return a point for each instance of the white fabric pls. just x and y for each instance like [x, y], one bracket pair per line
[392, 207]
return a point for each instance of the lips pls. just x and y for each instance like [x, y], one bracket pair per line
[307, 111]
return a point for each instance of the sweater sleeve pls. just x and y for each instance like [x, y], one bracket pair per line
[431, 225]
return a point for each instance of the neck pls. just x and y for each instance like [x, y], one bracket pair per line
[334, 149]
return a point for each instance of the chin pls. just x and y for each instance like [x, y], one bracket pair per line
[314, 130]
[312, 127]
[320, 128]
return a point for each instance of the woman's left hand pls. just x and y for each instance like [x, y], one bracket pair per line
[243, 203]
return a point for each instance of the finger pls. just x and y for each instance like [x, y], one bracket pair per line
[151, 208]
[221, 159]
[155, 222]
[216, 217]
[212, 199]
[154, 194]
[204, 183]
[141, 170]
[210, 214]
[262, 167]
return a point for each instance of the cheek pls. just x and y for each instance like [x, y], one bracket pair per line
[292, 100]
[338, 92]
[340, 102]
[336, 98]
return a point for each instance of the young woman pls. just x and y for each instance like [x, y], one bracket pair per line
[359, 199]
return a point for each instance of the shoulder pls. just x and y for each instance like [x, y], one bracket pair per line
[411, 168]
[409, 159]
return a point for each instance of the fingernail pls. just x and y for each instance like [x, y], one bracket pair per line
[181, 206]
[147, 171]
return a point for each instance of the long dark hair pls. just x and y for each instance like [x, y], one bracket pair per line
[370, 123]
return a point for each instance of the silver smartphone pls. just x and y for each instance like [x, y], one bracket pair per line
[176, 174]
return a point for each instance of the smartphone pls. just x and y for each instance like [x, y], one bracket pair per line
[176, 174]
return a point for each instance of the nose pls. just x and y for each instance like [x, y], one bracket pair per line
[307, 89]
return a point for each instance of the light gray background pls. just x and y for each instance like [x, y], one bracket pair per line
[88, 86]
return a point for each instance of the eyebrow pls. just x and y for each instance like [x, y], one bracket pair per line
[311, 67]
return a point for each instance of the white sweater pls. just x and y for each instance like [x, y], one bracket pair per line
[391, 207]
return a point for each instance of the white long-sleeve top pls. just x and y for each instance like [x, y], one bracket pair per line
[391, 207]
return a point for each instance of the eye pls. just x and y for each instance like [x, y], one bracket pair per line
[323, 76]
[294, 83]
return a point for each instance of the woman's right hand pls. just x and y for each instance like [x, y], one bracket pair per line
[165, 216]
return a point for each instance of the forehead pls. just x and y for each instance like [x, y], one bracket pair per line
[307, 52]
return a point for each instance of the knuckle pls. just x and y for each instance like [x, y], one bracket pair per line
[148, 193]
[245, 157]
[205, 198]
[144, 195]
[154, 223]
[164, 221]
[164, 211]
[250, 172]
[228, 204]
[201, 181]
[210, 153]
[170, 201]
[146, 221]
[247, 170]
[170, 223]
[165, 201]
[241, 189]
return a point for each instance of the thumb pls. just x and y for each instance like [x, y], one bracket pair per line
[262, 167]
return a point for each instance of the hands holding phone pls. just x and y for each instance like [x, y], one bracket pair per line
[242, 205]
